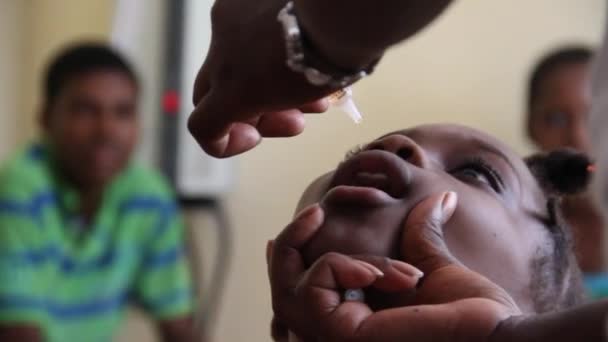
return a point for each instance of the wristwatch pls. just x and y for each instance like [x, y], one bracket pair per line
[300, 56]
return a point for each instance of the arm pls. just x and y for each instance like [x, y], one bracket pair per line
[246, 60]
[353, 34]
[584, 323]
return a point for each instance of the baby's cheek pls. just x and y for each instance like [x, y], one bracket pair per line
[477, 230]
[488, 238]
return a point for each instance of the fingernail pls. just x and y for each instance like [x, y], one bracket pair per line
[372, 268]
[448, 205]
[307, 211]
[407, 269]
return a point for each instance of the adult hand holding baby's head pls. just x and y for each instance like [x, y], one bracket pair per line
[310, 300]
[452, 301]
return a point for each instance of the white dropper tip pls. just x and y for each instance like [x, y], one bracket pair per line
[349, 107]
[343, 99]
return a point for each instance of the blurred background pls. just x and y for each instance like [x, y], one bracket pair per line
[471, 66]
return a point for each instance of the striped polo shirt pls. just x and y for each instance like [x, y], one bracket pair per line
[73, 281]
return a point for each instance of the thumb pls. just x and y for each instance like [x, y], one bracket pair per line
[422, 243]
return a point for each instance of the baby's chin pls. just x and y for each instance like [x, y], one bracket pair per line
[363, 225]
[358, 231]
[353, 231]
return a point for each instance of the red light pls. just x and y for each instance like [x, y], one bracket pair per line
[171, 103]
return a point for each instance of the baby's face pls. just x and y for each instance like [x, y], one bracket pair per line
[497, 229]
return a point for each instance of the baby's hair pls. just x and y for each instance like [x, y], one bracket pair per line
[557, 280]
[562, 172]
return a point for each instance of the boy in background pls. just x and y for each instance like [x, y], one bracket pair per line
[83, 230]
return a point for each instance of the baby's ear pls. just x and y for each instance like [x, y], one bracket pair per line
[561, 172]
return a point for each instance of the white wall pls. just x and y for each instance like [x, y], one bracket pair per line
[11, 54]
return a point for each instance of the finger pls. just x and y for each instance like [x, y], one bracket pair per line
[321, 291]
[206, 123]
[468, 320]
[211, 124]
[286, 263]
[241, 138]
[334, 271]
[286, 123]
[319, 106]
[269, 246]
[202, 84]
[398, 275]
[422, 242]
[278, 331]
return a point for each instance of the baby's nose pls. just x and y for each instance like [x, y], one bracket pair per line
[403, 147]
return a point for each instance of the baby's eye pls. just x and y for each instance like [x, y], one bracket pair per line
[479, 172]
[473, 174]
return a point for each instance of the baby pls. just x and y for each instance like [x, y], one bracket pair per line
[507, 225]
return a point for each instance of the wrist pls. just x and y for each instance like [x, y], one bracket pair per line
[302, 57]
[355, 33]
[332, 37]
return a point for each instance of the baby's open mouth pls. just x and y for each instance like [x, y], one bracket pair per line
[376, 180]
[375, 169]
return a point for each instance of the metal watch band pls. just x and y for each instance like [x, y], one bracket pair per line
[296, 57]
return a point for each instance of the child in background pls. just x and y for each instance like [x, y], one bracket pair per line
[558, 109]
